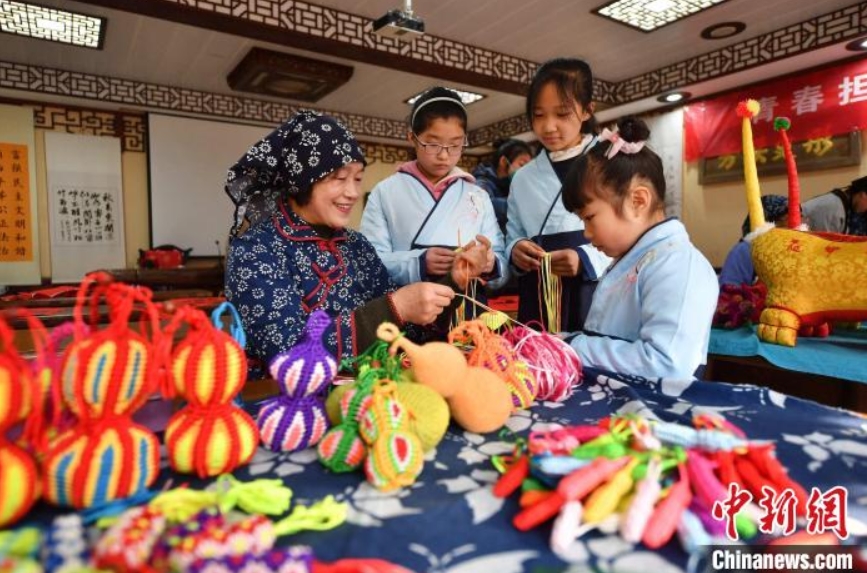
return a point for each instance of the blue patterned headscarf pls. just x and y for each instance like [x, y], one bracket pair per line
[774, 206]
[288, 161]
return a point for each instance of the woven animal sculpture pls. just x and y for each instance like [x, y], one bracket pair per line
[20, 399]
[812, 278]
[296, 419]
[106, 376]
[210, 435]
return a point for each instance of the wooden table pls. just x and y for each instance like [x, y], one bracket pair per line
[826, 390]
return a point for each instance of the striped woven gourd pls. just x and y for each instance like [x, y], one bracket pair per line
[106, 375]
[210, 435]
[296, 419]
[20, 399]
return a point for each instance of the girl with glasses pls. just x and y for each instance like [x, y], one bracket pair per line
[418, 218]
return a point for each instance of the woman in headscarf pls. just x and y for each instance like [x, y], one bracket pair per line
[291, 253]
[738, 267]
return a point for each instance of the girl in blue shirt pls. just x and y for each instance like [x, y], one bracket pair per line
[560, 110]
[652, 310]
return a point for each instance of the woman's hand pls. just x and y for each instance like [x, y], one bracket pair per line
[421, 303]
[474, 259]
[526, 255]
[565, 263]
[438, 261]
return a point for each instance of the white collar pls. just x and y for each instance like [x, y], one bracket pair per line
[575, 151]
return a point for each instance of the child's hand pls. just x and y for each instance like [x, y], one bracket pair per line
[526, 255]
[565, 263]
[438, 261]
[421, 303]
[474, 259]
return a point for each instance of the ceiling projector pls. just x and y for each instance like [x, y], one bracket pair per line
[401, 25]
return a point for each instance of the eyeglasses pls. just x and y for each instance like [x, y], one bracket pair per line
[435, 149]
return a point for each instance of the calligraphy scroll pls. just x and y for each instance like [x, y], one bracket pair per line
[85, 202]
[19, 233]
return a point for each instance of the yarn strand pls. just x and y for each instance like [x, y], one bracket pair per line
[550, 294]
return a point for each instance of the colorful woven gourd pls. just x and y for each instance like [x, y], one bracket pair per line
[342, 449]
[427, 411]
[20, 399]
[395, 455]
[495, 353]
[106, 376]
[210, 435]
[296, 419]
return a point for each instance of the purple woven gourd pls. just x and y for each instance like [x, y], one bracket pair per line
[297, 419]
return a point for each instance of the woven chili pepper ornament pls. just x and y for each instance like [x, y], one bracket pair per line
[20, 399]
[210, 435]
[296, 419]
[106, 376]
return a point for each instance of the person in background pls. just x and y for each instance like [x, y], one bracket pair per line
[738, 267]
[291, 253]
[419, 218]
[651, 313]
[560, 110]
[496, 177]
[840, 210]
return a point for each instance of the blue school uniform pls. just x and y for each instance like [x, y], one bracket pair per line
[652, 311]
[402, 219]
[282, 269]
[536, 212]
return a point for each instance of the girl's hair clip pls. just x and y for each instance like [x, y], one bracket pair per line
[619, 144]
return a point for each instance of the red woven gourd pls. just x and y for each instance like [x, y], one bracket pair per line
[210, 435]
[20, 399]
[106, 375]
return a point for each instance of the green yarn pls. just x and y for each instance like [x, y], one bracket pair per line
[261, 496]
[321, 516]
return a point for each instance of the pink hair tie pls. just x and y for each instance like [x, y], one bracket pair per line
[619, 144]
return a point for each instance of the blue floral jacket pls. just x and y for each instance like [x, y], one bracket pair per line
[283, 268]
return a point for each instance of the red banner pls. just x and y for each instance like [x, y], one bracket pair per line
[831, 101]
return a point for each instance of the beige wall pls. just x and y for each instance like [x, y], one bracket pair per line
[373, 174]
[713, 214]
